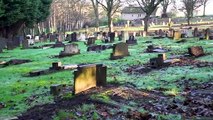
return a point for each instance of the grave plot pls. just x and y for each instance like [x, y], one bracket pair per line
[69, 50]
[56, 67]
[154, 49]
[15, 62]
[162, 62]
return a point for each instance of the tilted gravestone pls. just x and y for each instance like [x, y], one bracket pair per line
[69, 50]
[196, 51]
[89, 76]
[131, 40]
[120, 50]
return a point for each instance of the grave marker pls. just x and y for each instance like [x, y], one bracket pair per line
[120, 50]
[89, 76]
[69, 50]
[196, 51]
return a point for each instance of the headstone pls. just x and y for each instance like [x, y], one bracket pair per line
[126, 36]
[52, 37]
[131, 40]
[68, 37]
[74, 37]
[156, 62]
[111, 36]
[207, 34]
[58, 44]
[37, 39]
[82, 37]
[96, 48]
[91, 41]
[196, 32]
[25, 44]
[177, 35]
[56, 89]
[196, 51]
[106, 39]
[89, 76]
[162, 56]
[170, 33]
[120, 50]
[70, 49]
[56, 66]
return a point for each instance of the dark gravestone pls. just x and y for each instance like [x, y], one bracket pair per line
[74, 37]
[91, 41]
[111, 36]
[56, 89]
[69, 50]
[156, 62]
[131, 40]
[68, 37]
[196, 32]
[10, 45]
[196, 51]
[53, 37]
[25, 44]
[121, 36]
[89, 76]
[120, 50]
[105, 37]
[96, 48]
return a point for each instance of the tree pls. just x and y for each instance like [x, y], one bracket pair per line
[204, 2]
[96, 11]
[148, 7]
[111, 7]
[17, 13]
[165, 5]
[188, 8]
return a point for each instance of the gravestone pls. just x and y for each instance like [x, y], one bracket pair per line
[58, 44]
[162, 56]
[196, 51]
[69, 50]
[37, 39]
[53, 37]
[82, 37]
[170, 33]
[105, 37]
[74, 37]
[120, 50]
[196, 32]
[91, 41]
[157, 62]
[111, 36]
[120, 36]
[131, 40]
[68, 37]
[56, 66]
[25, 44]
[10, 45]
[56, 89]
[96, 48]
[177, 35]
[89, 76]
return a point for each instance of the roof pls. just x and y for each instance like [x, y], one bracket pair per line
[129, 10]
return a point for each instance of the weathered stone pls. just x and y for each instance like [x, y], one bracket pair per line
[91, 41]
[74, 37]
[89, 76]
[196, 51]
[70, 49]
[120, 50]
[177, 35]
[56, 89]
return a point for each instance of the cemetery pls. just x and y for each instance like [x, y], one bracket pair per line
[124, 71]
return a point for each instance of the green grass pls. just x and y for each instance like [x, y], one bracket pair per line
[15, 89]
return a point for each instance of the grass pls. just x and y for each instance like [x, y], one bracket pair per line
[16, 90]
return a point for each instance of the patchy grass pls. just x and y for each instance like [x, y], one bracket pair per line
[16, 90]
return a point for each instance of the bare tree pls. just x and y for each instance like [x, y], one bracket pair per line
[148, 7]
[165, 5]
[188, 8]
[204, 2]
[111, 7]
[96, 11]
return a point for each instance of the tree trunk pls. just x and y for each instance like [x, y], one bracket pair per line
[204, 10]
[109, 22]
[146, 23]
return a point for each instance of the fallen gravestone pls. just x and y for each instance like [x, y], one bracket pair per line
[89, 76]
[56, 66]
[120, 50]
[69, 50]
[131, 40]
[152, 49]
[196, 51]
[15, 62]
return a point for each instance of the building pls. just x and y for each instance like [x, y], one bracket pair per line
[134, 13]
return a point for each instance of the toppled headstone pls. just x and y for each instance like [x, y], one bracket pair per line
[69, 50]
[196, 51]
[120, 50]
[17, 61]
[131, 40]
[89, 76]
[154, 49]
[156, 62]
